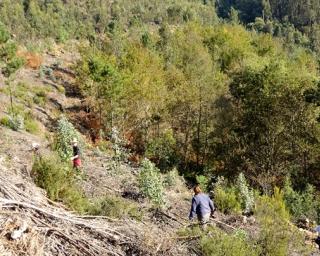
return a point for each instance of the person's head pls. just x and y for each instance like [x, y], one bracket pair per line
[197, 190]
[74, 141]
[35, 146]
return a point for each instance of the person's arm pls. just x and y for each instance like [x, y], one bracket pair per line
[211, 206]
[193, 209]
[75, 157]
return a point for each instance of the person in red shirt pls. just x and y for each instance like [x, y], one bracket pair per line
[76, 154]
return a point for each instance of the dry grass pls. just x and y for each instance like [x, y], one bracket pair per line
[33, 60]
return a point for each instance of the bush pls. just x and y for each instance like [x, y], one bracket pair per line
[245, 194]
[301, 204]
[65, 134]
[170, 179]
[4, 121]
[221, 244]
[225, 198]
[150, 183]
[277, 236]
[15, 122]
[58, 180]
[203, 182]
[115, 207]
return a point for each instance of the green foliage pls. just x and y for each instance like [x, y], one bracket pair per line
[225, 198]
[40, 98]
[63, 20]
[162, 150]
[65, 134]
[170, 179]
[151, 184]
[31, 125]
[115, 207]
[273, 218]
[277, 236]
[58, 179]
[222, 244]
[302, 204]
[203, 182]
[5, 121]
[16, 122]
[4, 34]
[8, 57]
[245, 194]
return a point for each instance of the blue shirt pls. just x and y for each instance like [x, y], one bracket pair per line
[201, 205]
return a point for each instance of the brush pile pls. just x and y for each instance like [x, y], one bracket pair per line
[32, 225]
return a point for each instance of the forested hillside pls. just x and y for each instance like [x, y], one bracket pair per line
[224, 92]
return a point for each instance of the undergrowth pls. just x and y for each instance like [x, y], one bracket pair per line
[58, 179]
[115, 207]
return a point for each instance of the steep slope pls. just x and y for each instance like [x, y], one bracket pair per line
[51, 228]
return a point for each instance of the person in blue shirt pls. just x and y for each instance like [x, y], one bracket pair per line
[317, 240]
[202, 206]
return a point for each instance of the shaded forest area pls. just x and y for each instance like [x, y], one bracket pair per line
[215, 88]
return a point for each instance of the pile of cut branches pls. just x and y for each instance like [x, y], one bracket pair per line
[31, 227]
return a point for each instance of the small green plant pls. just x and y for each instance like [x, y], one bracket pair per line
[151, 184]
[4, 121]
[120, 153]
[222, 244]
[65, 134]
[170, 179]
[226, 198]
[245, 193]
[16, 122]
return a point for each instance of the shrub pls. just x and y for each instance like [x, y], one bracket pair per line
[150, 183]
[245, 194]
[170, 179]
[225, 198]
[115, 207]
[15, 122]
[203, 182]
[120, 153]
[221, 244]
[4, 121]
[58, 180]
[300, 204]
[277, 236]
[66, 132]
